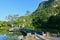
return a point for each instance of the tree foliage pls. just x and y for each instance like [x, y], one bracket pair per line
[47, 16]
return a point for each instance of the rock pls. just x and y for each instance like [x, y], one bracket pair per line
[20, 37]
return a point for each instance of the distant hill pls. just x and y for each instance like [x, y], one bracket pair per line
[47, 15]
[47, 7]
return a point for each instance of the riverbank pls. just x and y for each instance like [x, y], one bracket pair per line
[35, 36]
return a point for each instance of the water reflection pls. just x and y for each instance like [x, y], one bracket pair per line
[2, 37]
[10, 36]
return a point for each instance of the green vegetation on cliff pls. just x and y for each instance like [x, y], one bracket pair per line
[46, 17]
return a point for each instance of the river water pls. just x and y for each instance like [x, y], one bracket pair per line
[10, 36]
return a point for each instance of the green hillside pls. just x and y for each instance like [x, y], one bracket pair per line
[47, 16]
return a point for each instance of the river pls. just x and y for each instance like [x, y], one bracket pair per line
[10, 36]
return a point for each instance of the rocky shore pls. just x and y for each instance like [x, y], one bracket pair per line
[35, 36]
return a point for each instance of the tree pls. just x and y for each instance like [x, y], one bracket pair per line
[28, 13]
[54, 23]
[1, 23]
[46, 17]
[12, 19]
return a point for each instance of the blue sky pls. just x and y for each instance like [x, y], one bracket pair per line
[11, 7]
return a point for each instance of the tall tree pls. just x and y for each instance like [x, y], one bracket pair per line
[12, 19]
